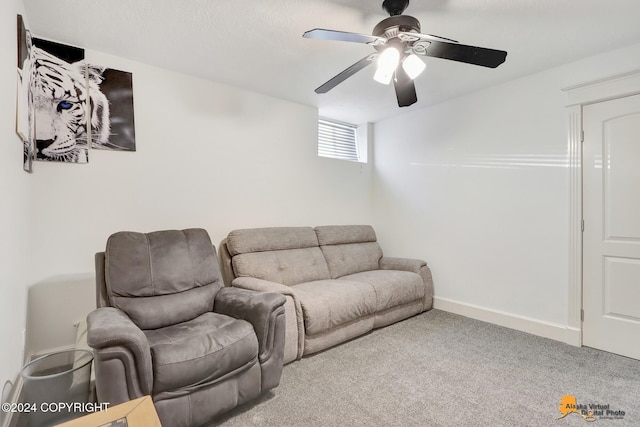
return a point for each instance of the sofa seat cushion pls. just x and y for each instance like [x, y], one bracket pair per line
[392, 287]
[200, 351]
[330, 303]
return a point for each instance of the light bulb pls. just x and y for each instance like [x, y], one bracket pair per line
[413, 66]
[387, 63]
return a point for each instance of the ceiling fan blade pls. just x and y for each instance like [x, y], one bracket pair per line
[482, 56]
[343, 36]
[405, 88]
[344, 75]
[411, 37]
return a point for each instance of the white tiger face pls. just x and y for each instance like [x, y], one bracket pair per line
[60, 96]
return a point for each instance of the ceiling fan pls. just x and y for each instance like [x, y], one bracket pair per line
[397, 41]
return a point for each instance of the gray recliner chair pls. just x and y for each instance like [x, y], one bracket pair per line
[167, 327]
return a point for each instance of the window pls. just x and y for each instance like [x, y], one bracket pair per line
[337, 140]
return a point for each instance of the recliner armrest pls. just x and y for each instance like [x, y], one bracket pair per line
[113, 335]
[261, 309]
[255, 284]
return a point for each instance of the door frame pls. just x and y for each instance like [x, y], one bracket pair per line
[578, 96]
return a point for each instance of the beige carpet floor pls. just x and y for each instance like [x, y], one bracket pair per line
[441, 369]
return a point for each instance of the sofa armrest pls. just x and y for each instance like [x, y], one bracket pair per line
[123, 356]
[261, 309]
[416, 266]
[295, 323]
[403, 264]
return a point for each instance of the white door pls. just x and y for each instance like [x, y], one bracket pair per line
[611, 240]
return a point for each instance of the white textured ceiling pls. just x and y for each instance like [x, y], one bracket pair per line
[258, 45]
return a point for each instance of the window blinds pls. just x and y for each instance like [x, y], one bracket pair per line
[337, 140]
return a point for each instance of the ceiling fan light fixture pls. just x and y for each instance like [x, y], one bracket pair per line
[387, 63]
[397, 40]
[413, 66]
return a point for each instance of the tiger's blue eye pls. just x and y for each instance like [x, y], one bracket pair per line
[64, 105]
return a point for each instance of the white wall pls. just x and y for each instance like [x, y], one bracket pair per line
[478, 186]
[14, 205]
[209, 156]
[220, 158]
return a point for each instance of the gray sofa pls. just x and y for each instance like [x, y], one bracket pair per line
[336, 281]
[167, 327]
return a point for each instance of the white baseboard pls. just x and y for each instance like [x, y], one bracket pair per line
[573, 336]
[525, 324]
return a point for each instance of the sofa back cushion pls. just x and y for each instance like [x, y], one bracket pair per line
[349, 249]
[161, 278]
[286, 255]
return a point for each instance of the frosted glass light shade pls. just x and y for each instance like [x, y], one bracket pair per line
[413, 66]
[387, 63]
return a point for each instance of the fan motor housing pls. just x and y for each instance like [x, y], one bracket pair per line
[392, 26]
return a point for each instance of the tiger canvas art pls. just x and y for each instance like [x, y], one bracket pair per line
[66, 100]
[66, 106]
